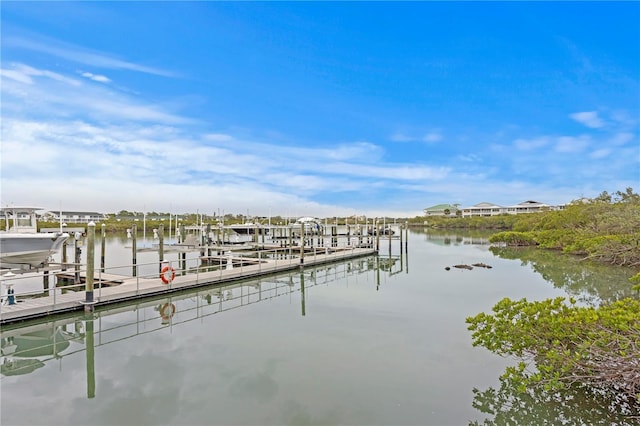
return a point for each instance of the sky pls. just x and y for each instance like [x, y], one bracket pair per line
[316, 108]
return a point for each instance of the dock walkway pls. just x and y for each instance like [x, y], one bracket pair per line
[131, 288]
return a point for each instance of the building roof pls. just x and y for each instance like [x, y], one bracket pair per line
[76, 213]
[531, 203]
[485, 204]
[440, 207]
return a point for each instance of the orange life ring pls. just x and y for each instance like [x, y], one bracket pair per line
[167, 310]
[171, 275]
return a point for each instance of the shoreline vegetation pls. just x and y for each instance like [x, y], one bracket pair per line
[576, 362]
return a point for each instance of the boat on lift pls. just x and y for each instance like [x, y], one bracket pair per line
[21, 245]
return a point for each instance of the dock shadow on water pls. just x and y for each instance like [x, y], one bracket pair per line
[372, 340]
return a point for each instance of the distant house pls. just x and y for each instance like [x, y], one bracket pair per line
[442, 210]
[528, 207]
[74, 217]
[483, 209]
[489, 209]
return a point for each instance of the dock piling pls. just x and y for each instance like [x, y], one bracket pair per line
[161, 245]
[134, 249]
[102, 247]
[88, 288]
[78, 253]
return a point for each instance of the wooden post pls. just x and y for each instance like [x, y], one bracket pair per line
[64, 256]
[134, 249]
[377, 234]
[160, 246]
[406, 247]
[302, 247]
[45, 280]
[102, 247]
[76, 259]
[377, 273]
[91, 247]
[334, 236]
[406, 240]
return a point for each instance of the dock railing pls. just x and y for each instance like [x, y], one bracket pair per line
[58, 286]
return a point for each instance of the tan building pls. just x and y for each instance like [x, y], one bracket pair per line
[489, 209]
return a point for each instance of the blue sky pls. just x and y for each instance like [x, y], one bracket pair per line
[318, 109]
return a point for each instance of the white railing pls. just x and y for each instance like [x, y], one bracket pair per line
[267, 261]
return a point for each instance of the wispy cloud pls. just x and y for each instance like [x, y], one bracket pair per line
[24, 74]
[588, 118]
[401, 137]
[571, 144]
[429, 137]
[41, 91]
[600, 153]
[531, 144]
[621, 138]
[432, 137]
[79, 54]
[139, 150]
[94, 77]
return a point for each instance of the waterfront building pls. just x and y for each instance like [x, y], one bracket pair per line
[74, 217]
[443, 210]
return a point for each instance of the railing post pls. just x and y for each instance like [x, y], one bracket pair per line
[91, 236]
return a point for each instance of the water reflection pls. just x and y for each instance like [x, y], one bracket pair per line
[26, 352]
[27, 348]
[284, 350]
[574, 406]
[455, 237]
[589, 282]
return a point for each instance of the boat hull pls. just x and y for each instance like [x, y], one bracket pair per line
[32, 250]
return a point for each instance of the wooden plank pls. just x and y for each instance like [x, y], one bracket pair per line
[106, 279]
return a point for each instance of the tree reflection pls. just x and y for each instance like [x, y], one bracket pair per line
[537, 406]
[511, 404]
[587, 281]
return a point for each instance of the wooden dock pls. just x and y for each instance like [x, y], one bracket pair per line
[132, 288]
[98, 277]
[235, 261]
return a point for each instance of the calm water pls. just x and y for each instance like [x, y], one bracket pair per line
[365, 342]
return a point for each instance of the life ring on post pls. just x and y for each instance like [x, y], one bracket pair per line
[167, 310]
[167, 274]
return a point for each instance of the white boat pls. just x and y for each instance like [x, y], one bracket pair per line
[244, 228]
[310, 225]
[21, 246]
